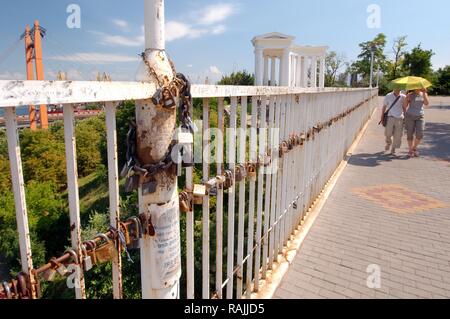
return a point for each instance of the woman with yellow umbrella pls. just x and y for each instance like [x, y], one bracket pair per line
[414, 109]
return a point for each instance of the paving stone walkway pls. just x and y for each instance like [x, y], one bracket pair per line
[386, 224]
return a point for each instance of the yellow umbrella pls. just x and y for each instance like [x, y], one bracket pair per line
[410, 83]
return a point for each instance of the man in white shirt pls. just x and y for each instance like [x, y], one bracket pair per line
[394, 127]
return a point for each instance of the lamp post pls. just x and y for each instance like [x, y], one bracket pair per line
[372, 50]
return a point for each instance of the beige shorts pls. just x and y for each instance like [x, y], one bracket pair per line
[415, 125]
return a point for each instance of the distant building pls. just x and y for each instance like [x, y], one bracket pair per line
[280, 62]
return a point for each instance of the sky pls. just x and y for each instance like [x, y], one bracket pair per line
[209, 38]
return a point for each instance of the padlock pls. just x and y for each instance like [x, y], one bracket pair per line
[87, 260]
[7, 290]
[284, 148]
[185, 202]
[136, 233]
[169, 102]
[126, 233]
[74, 256]
[149, 187]
[60, 268]
[157, 98]
[198, 193]
[15, 289]
[241, 173]
[49, 274]
[251, 170]
[229, 179]
[302, 138]
[23, 286]
[107, 251]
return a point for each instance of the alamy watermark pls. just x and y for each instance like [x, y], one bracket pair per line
[374, 18]
[374, 279]
[74, 19]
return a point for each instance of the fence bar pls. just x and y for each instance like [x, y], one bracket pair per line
[15, 163]
[259, 207]
[251, 204]
[114, 198]
[190, 264]
[241, 218]
[231, 145]
[74, 202]
[205, 205]
[219, 203]
[267, 195]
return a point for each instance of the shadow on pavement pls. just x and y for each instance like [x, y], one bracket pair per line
[436, 144]
[373, 160]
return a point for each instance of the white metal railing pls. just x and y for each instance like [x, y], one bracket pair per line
[262, 211]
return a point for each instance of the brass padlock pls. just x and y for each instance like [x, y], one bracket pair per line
[60, 268]
[199, 192]
[284, 148]
[241, 173]
[185, 202]
[251, 170]
[106, 251]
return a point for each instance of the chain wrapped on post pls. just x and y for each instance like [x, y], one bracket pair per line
[165, 96]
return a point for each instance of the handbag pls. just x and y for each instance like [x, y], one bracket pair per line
[385, 115]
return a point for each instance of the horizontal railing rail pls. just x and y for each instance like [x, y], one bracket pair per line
[274, 149]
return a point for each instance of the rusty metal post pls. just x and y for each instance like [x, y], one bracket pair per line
[30, 73]
[161, 253]
[40, 70]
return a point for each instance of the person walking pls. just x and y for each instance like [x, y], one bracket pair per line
[394, 105]
[415, 119]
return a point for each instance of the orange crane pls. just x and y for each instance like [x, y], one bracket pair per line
[33, 51]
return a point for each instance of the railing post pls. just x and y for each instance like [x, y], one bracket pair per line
[160, 254]
[15, 163]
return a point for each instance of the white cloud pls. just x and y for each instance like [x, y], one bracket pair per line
[12, 76]
[118, 40]
[215, 13]
[94, 57]
[120, 23]
[219, 29]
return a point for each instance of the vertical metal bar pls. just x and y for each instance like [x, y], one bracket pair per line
[74, 203]
[261, 171]
[241, 220]
[231, 145]
[219, 204]
[281, 109]
[114, 198]
[205, 205]
[251, 204]
[190, 265]
[15, 163]
[268, 190]
[275, 140]
[284, 122]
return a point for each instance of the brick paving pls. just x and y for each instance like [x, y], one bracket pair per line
[359, 230]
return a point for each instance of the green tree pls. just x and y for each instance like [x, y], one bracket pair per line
[238, 78]
[418, 62]
[442, 86]
[334, 62]
[399, 53]
[362, 65]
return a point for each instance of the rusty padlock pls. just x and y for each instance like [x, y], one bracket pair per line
[168, 100]
[23, 285]
[136, 233]
[106, 251]
[126, 233]
[60, 268]
[241, 173]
